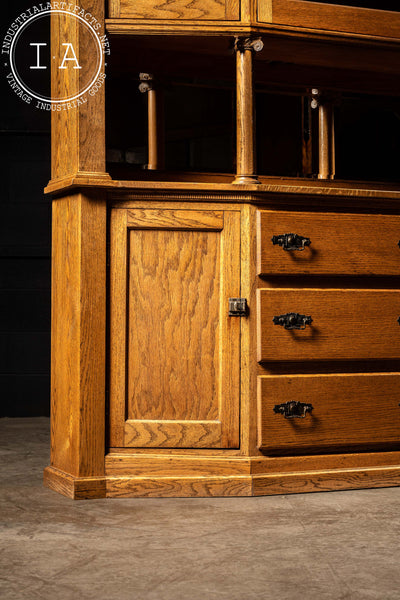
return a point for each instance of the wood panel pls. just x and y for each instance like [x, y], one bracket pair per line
[341, 244]
[78, 335]
[177, 9]
[348, 410]
[347, 324]
[336, 18]
[264, 11]
[174, 350]
[326, 481]
[78, 134]
[174, 487]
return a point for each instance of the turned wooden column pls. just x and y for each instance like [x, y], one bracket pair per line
[326, 135]
[245, 139]
[155, 113]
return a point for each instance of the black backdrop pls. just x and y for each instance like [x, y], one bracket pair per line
[24, 247]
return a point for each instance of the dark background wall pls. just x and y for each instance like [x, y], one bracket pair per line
[24, 248]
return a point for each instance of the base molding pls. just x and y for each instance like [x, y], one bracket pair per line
[192, 485]
[77, 488]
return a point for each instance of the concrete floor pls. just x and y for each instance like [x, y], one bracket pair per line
[338, 545]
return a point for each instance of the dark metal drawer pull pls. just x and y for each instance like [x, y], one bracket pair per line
[292, 321]
[291, 241]
[293, 409]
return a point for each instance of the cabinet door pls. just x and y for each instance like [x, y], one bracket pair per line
[174, 351]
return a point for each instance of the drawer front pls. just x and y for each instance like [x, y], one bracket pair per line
[346, 324]
[219, 10]
[348, 410]
[342, 244]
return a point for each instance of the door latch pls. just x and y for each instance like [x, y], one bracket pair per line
[237, 307]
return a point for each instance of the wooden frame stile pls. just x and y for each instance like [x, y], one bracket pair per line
[78, 283]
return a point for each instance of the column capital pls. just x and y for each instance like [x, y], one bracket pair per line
[248, 43]
[146, 82]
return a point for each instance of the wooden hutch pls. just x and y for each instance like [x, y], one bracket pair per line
[225, 331]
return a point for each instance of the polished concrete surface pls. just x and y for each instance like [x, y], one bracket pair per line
[337, 545]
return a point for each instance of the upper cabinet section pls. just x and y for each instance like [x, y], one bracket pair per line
[343, 17]
[381, 19]
[190, 10]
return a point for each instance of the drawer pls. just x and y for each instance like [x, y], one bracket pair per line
[348, 410]
[341, 244]
[219, 10]
[346, 324]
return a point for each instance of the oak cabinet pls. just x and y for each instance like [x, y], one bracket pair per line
[224, 334]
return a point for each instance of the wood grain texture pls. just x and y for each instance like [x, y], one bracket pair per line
[341, 244]
[78, 335]
[183, 465]
[323, 462]
[78, 134]
[193, 186]
[190, 463]
[347, 324]
[348, 410]
[173, 301]
[179, 9]
[181, 367]
[325, 481]
[336, 18]
[180, 220]
[184, 487]
[245, 147]
[220, 486]
[326, 141]
[118, 324]
[73, 487]
[113, 9]
[264, 11]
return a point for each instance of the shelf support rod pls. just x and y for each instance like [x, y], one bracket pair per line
[245, 139]
[156, 154]
[326, 135]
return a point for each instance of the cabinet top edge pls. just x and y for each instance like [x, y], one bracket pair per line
[274, 191]
[137, 27]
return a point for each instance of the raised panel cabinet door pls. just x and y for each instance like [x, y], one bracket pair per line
[348, 410]
[345, 324]
[175, 351]
[334, 244]
[196, 10]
